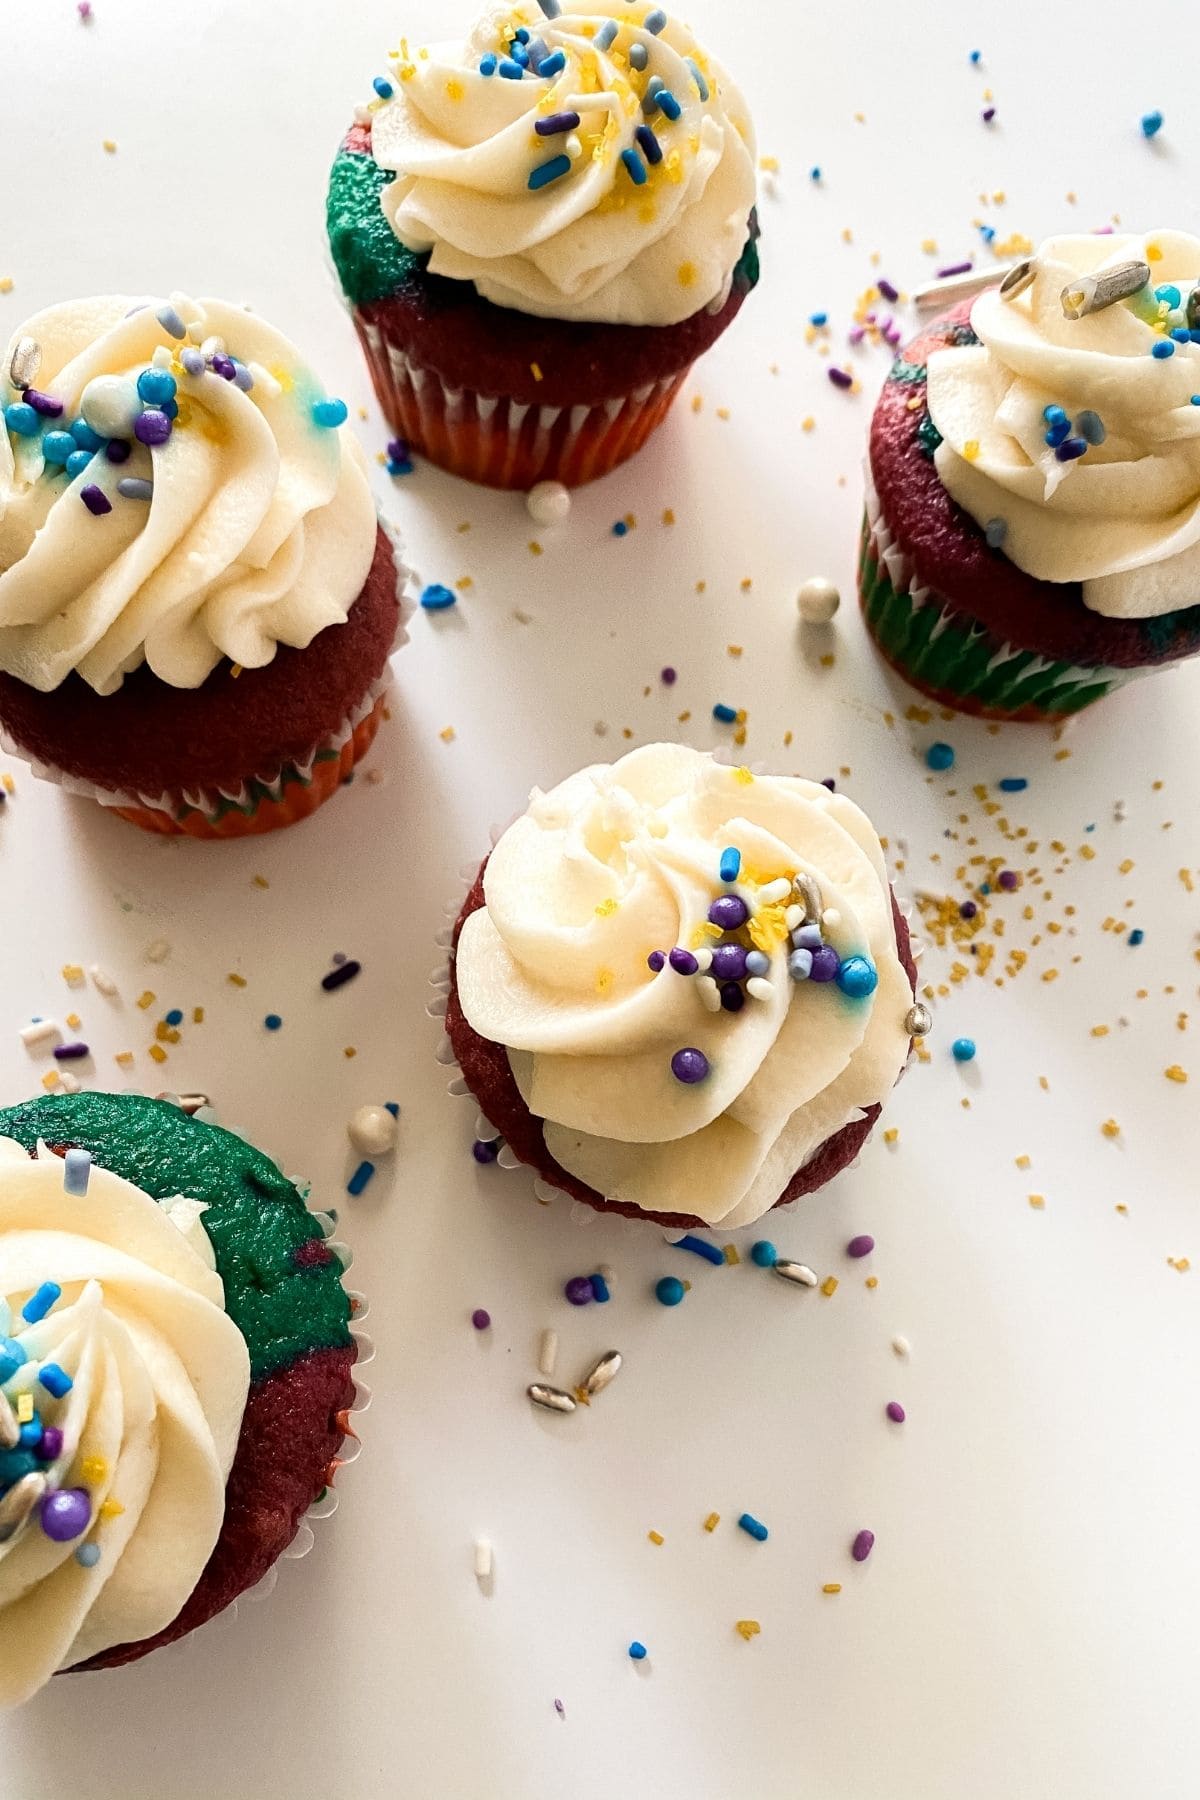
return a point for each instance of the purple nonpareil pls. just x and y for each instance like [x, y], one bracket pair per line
[683, 962]
[730, 912]
[862, 1546]
[825, 964]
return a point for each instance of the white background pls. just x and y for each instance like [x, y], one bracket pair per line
[1027, 1625]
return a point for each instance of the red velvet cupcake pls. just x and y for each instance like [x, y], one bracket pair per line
[179, 1321]
[539, 230]
[197, 602]
[681, 991]
[1032, 538]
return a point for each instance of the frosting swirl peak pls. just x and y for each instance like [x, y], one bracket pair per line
[608, 177]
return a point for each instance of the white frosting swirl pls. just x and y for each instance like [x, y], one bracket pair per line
[149, 1427]
[592, 245]
[260, 531]
[620, 861]
[1123, 519]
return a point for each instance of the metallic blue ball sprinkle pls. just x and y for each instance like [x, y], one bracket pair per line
[87, 1555]
[620, 529]
[963, 1049]
[84, 436]
[57, 446]
[857, 977]
[764, 1254]
[156, 386]
[78, 461]
[940, 757]
[22, 420]
[437, 598]
[272, 1021]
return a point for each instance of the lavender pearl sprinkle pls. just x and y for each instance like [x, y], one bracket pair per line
[862, 1546]
[193, 360]
[168, 317]
[66, 1514]
[683, 962]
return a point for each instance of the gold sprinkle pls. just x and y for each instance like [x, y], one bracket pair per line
[970, 450]
[72, 974]
[6, 284]
[832, 1587]
[712, 1521]
[891, 1135]
[1110, 1128]
[829, 1286]
[110, 1509]
[607, 908]
[656, 1537]
[1175, 1073]
[25, 1408]
[198, 1015]
[447, 734]
[50, 1080]
[235, 980]
[110, 145]
[349, 1052]
[259, 881]
[146, 1000]
[1037, 1201]
[535, 369]
[686, 274]
[872, 1281]
[748, 1628]
[158, 1053]
[535, 549]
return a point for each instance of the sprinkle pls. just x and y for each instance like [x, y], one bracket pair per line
[832, 1587]
[634, 167]
[133, 487]
[546, 172]
[70, 1052]
[712, 1521]
[656, 1537]
[725, 715]
[360, 1179]
[639, 56]
[55, 1380]
[1013, 784]
[601, 1291]
[481, 1319]
[829, 1286]
[651, 147]
[96, 500]
[895, 1412]
[731, 863]
[841, 378]
[700, 1247]
[551, 8]
[995, 531]
[655, 22]
[669, 1291]
[814, 174]
[1162, 349]
[862, 1546]
[556, 123]
[339, 976]
[551, 65]
[272, 1021]
[547, 1352]
[637, 1651]
[77, 1172]
[669, 103]
[1152, 124]
[963, 1049]
[940, 757]
[330, 413]
[753, 1527]
[437, 598]
[607, 32]
[860, 1246]
[1137, 936]
[40, 1302]
[383, 87]
[702, 86]
[40, 1032]
[620, 529]
[1175, 1073]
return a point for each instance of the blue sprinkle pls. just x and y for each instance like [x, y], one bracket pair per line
[30, 1435]
[620, 529]
[1162, 349]
[133, 487]
[963, 1049]
[396, 466]
[554, 64]
[437, 598]
[637, 1651]
[551, 8]
[764, 1254]
[669, 1291]
[360, 1178]
[753, 1527]
[175, 1016]
[701, 1247]
[40, 1302]
[272, 1021]
[1013, 784]
[800, 964]
[857, 977]
[697, 77]
[1058, 430]
[757, 963]
[995, 531]
[172, 324]
[22, 420]
[940, 757]
[1152, 124]
[1137, 936]
[731, 864]
[14, 1465]
[330, 413]
[78, 461]
[57, 446]
[55, 1380]
[156, 387]
[392, 1106]
[546, 172]
[487, 64]
[669, 103]
[976, 58]
[814, 174]
[655, 22]
[987, 233]
[639, 57]
[1070, 450]
[603, 39]
[12, 1358]
[511, 71]
[1182, 335]
[383, 87]
[1090, 425]
[1168, 292]
[726, 715]
[520, 54]
[600, 1289]
[77, 1172]
[818, 319]
[87, 1555]
[635, 167]
[84, 436]
[1054, 415]
[650, 145]
[522, 34]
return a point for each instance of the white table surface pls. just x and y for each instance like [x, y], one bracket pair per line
[1027, 1624]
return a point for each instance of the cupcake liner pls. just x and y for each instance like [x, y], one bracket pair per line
[501, 442]
[263, 802]
[954, 661]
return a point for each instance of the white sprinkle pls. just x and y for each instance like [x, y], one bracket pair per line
[547, 1352]
[793, 918]
[901, 1346]
[759, 988]
[831, 917]
[549, 503]
[40, 1032]
[158, 951]
[818, 601]
[774, 891]
[264, 380]
[703, 959]
[483, 1559]
[102, 981]
[709, 992]
[161, 357]
[67, 1082]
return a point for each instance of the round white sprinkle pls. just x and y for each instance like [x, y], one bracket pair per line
[901, 1346]
[703, 959]
[818, 601]
[373, 1130]
[110, 404]
[549, 503]
[831, 918]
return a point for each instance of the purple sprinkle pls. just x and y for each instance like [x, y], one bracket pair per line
[988, 114]
[117, 451]
[968, 910]
[690, 1066]
[683, 962]
[656, 961]
[895, 1412]
[825, 964]
[841, 378]
[668, 677]
[857, 333]
[224, 366]
[889, 292]
[96, 500]
[481, 1319]
[1009, 880]
[51, 1446]
[730, 912]
[70, 1052]
[560, 1709]
[484, 1152]
[958, 268]
[46, 404]
[862, 1546]
[398, 449]
[827, 781]
[152, 428]
[556, 123]
[860, 1246]
[579, 1290]
[729, 962]
[339, 976]
[732, 997]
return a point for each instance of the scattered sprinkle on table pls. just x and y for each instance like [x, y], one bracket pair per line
[437, 598]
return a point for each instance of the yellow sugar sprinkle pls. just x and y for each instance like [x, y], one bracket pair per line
[349, 1052]
[686, 274]
[124, 1058]
[970, 449]
[146, 1000]
[7, 782]
[730, 1253]
[454, 89]
[447, 734]
[535, 369]
[743, 777]
[712, 1521]
[235, 669]
[158, 1053]
[808, 423]
[235, 980]
[1022, 1162]
[1110, 1128]
[891, 1135]
[535, 549]
[1087, 853]
[929, 246]
[1099, 1030]
[259, 881]
[656, 1537]
[733, 649]
[1175, 1073]
[872, 1281]
[1121, 1208]
[6, 284]
[607, 908]
[668, 517]
[832, 1587]
[1037, 1201]
[769, 165]
[723, 412]
[198, 1015]
[748, 1628]
[1153, 253]
[111, 1509]
[94, 1470]
[110, 145]
[829, 1286]
[50, 1079]
[24, 1408]
[697, 403]
[1180, 1263]
[74, 1021]
[604, 980]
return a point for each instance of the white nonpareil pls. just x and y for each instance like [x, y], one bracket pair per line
[1124, 518]
[621, 861]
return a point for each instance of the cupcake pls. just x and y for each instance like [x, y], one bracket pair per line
[681, 990]
[1032, 536]
[175, 1378]
[539, 229]
[197, 602]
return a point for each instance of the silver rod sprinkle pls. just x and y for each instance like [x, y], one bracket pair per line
[936, 294]
[1021, 276]
[25, 362]
[599, 1376]
[798, 1273]
[552, 1399]
[1092, 293]
[809, 896]
[10, 1429]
